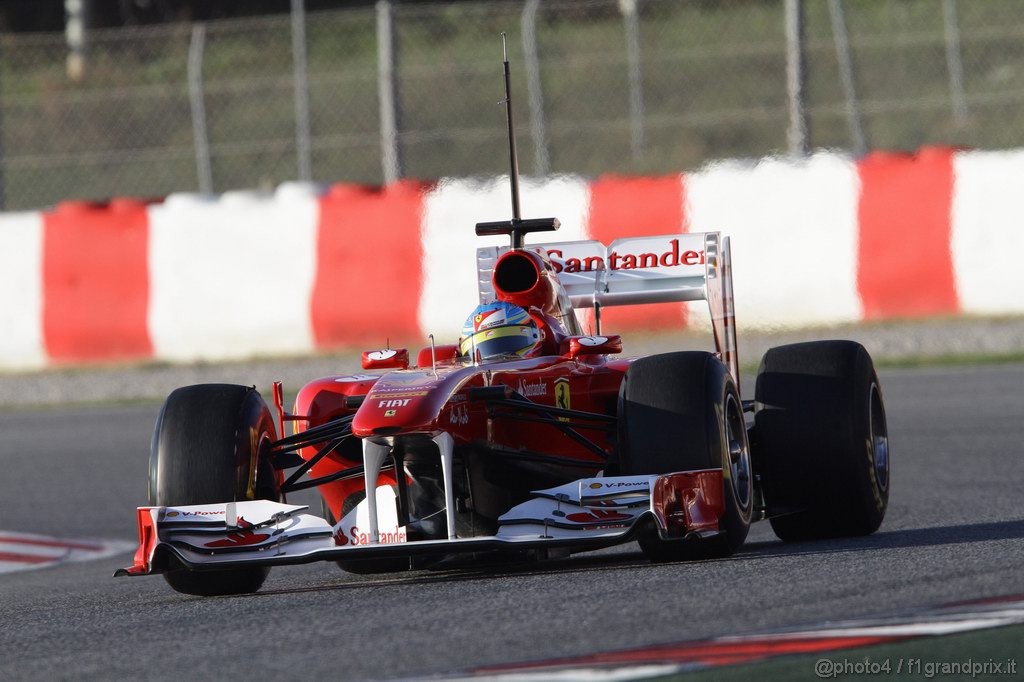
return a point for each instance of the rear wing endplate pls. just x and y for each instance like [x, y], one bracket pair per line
[634, 270]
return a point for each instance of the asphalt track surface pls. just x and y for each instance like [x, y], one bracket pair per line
[955, 531]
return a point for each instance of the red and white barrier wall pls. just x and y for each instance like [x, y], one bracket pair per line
[821, 241]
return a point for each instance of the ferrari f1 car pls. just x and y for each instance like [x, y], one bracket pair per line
[527, 439]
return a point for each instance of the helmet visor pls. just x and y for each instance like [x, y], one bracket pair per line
[511, 340]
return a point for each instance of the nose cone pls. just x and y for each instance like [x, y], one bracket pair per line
[408, 401]
[384, 414]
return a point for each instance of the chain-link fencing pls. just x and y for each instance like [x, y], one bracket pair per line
[412, 90]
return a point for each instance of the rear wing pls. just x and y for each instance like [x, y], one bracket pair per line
[634, 270]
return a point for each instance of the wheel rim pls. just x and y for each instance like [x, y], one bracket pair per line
[265, 483]
[879, 434]
[739, 453]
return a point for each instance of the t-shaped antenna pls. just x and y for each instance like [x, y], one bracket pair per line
[517, 227]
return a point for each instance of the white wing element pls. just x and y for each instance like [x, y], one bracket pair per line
[584, 514]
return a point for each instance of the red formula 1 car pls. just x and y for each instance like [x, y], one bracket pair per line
[526, 439]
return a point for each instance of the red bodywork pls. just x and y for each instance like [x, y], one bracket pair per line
[435, 396]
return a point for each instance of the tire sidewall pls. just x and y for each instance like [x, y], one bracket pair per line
[736, 518]
[871, 496]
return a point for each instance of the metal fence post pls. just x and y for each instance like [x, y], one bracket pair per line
[74, 34]
[842, 41]
[953, 61]
[302, 145]
[387, 89]
[796, 78]
[541, 159]
[636, 82]
[195, 91]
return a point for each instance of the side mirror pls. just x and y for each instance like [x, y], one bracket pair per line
[389, 358]
[575, 346]
[444, 353]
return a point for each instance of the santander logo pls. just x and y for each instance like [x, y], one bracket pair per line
[628, 261]
[531, 390]
[384, 536]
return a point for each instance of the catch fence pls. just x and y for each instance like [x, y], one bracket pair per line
[373, 94]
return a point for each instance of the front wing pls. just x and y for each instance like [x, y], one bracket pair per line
[587, 514]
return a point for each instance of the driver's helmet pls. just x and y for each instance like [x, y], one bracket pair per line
[499, 328]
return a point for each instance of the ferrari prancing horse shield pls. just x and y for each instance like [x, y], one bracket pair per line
[562, 397]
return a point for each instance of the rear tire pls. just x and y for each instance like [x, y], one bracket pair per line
[209, 446]
[680, 412]
[821, 441]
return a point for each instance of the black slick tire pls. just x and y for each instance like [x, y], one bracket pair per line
[678, 412]
[208, 447]
[821, 440]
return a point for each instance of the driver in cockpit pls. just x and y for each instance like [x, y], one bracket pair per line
[500, 329]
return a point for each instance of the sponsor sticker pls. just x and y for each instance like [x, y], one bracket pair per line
[489, 318]
[563, 399]
[376, 395]
[532, 390]
[354, 528]
[673, 257]
[592, 340]
[395, 402]
[202, 512]
[244, 537]
[406, 381]
[358, 537]
[459, 415]
[392, 389]
[598, 516]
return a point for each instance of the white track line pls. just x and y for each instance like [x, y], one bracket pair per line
[27, 551]
[939, 621]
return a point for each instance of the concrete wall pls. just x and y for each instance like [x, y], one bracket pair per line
[820, 241]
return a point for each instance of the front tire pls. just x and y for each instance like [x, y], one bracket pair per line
[681, 412]
[822, 444]
[209, 446]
